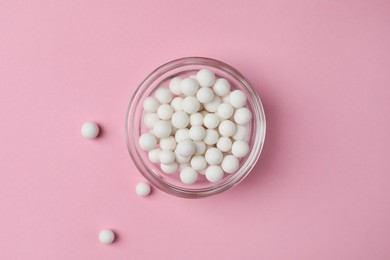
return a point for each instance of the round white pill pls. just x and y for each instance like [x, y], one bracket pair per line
[221, 87]
[166, 157]
[211, 121]
[180, 119]
[90, 130]
[214, 173]
[174, 85]
[162, 129]
[225, 110]
[168, 143]
[242, 116]
[106, 236]
[150, 119]
[237, 98]
[188, 175]
[147, 141]
[182, 134]
[205, 95]
[213, 156]
[242, 133]
[142, 189]
[230, 164]
[189, 86]
[177, 103]
[165, 111]
[191, 105]
[213, 105]
[227, 128]
[211, 137]
[206, 78]
[150, 104]
[197, 133]
[196, 119]
[185, 148]
[163, 95]
[200, 148]
[169, 168]
[198, 163]
[182, 159]
[153, 155]
[240, 148]
[224, 144]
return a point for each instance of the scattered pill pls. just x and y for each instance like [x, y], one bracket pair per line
[90, 130]
[142, 189]
[106, 236]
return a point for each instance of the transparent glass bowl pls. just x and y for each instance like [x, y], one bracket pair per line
[171, 183]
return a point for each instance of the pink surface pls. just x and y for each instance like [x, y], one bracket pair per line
[320, 190]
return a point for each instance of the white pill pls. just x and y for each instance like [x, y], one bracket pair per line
[163, 95]
[242, 116]
[224, 144]
[200, 148]
[180, 119]
[177, 103]
[225, 110]
[214, 173]
[188, 175]
[221, 87]
[90, 130]
[237, 98]
[240, 148]
[142, 189]
[185, 148]
[189, 87]
[169, 168]
[106, 236]
[166, 157]
[147, 141]
[153, 155]
[197, 133]
[182, 134]
[198, 163]
[227, 128]
[150, 119]
[242, 133]
[168, 143]
[230, 164]
[191, 105]
[182, 159]
[213, 156]
[226, 99]
[211, 121]
[211, 137]
[205, 95]
[196, 119]
[206, 78]
[150, 104]
[213, 105]
[162, 129]
[174, 85]
[165, 111]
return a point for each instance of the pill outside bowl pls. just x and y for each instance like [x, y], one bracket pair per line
[170, 183]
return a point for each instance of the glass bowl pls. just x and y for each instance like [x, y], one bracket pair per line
[170, 183]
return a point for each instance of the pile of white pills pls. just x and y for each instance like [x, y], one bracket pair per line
[197, 125]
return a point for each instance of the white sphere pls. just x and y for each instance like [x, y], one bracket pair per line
[150, 119]
[165, 111]
[214, 173]
[150, 104]
[213, 105]
[206, 78]
[227, 128]
[230, 164]
[191, 105]
[177, 103]
[180, 119]
[196, 119]
[213, 156]
[182, 134]
[169, 168]
[198, 163]
[174, 85]
[237, 98]
[224, 144]
[225, 110]
[185, 148]
[168, 143]
[189, 87]
[240, 148]
[205, 95]
[106, 236]
[242, 116]
[147, 141]
[226, 99]
[163, 95]
[211, 137]
[142, 189]
[182, 159]
[242, 133]
[221, 87]
[90, 130]
[162, 129]
[188, 175]
[211, 121]
[153, 155]
[197, 133]
[166, 157]
[200, 148]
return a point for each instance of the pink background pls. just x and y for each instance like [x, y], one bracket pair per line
[319, 191]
